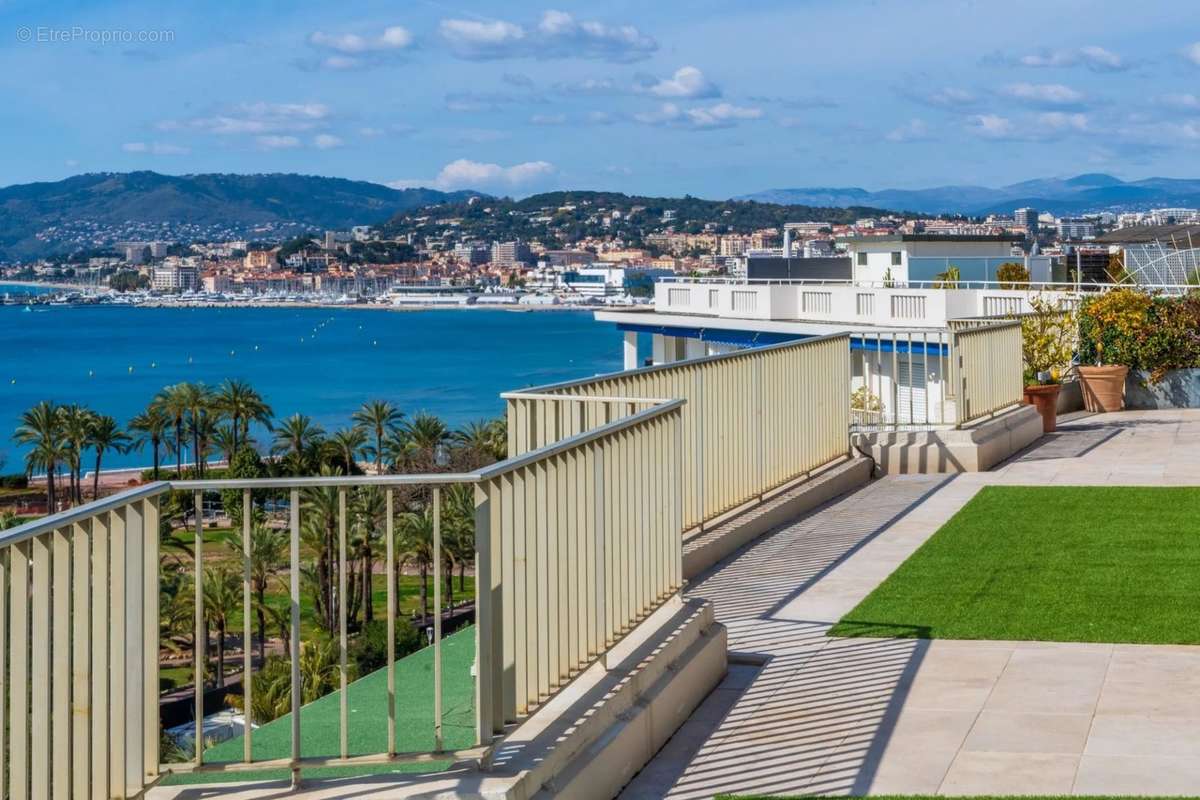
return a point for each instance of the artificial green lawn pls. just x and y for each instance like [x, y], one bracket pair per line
[936, 797]
[1067, 564]
[319, 721]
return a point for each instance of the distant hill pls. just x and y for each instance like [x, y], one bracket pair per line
[45, 218]
[571, 215]
[1083, 193]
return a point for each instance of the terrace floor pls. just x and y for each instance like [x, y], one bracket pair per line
[804, 713]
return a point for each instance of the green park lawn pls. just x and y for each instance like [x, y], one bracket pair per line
[367, 697]
[1067, 564]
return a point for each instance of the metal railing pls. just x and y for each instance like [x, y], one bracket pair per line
[986, 372]
[754, 420]
[1028, 286]
[900, 379]
[575, 543]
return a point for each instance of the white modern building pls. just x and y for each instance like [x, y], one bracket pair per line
[915, 258]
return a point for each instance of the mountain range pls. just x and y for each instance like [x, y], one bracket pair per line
[1080, 194]
[39, 218]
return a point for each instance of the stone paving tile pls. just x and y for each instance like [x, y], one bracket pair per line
[1010, 774]
[1137, 775]
[851, 716]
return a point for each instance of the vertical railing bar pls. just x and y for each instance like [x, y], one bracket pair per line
[343, 664]
[18, 727]
[294, 642]
[40, 719]
[60, 674]
[390, 547]
[437, 619]
[102, 526]
[200, 633]
[81, 707]
[601, 550]
[247, 641]
[4, 558]
[151, 728]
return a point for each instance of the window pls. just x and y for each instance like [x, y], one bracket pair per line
[862, 259]
[896, 258]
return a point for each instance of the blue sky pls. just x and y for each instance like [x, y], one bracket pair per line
[709, 98]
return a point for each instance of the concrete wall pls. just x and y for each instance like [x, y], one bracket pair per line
[1179, 389]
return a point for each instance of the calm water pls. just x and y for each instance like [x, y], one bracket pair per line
[321, 362]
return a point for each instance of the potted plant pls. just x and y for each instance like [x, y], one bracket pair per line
[1112, 328]
[1048, 345]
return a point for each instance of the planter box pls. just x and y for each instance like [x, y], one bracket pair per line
[1179, 389]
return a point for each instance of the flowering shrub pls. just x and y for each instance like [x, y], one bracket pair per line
[1048, 340]
[1136, 330]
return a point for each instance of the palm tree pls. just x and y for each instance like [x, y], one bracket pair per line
[202, 427]
[150, 427]
[370, 516]
[41, 430]
[414, 543]
[243, 405]
[425, 433]
[318, 532]
[8, 519]
[77, 426]
[222, 596]
[319, 669]
[485, 441]
[202, 414]
[347, 444]
[378, 417]
[224, 439]
[458, 529]
[268, 551]
[105, 434]
[174, 402]
[296, 439]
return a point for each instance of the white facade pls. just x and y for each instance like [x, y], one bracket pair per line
[895, 259]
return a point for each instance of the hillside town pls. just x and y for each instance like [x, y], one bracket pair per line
[576, 253]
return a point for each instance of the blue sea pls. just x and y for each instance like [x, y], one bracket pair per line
[322, 362]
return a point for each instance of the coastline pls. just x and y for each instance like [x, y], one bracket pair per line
[45, 284]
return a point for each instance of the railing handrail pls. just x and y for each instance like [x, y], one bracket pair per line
[962, 283]
[62, 519]
[987, 325]
[510, 464]
[80, 513]
[750, 352]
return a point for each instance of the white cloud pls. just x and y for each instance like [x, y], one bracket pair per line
[991, 126]
[1188, 102]
[687, 82]
[370, 133]
[1093, 57]
[915, 130]
[255, 118]
[354, 51]
[277, 142]
[1052, 121]
[467, 174]
[951, 97]
[557, 35]
[395, 37]
[1051, 94]
[155, 148]
[1192, 53]
[720, 115]
[548, 119]
[325, 141]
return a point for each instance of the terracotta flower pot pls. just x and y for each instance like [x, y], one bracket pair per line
[1045, 400]
[1103, 387]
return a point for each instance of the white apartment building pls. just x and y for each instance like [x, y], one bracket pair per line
[175, 275]
[915, 257]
